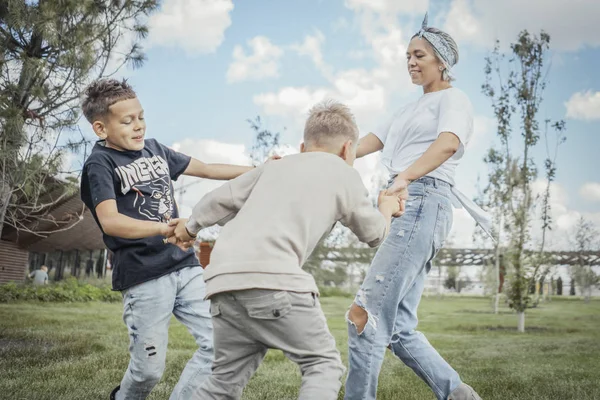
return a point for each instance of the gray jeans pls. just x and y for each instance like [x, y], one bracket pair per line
[248, 323]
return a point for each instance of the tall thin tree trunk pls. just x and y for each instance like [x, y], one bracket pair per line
[588, 287]
[497, 297]
[5, 192]
[440, 286]
[497, 268]
[521, 324]
[496, 302]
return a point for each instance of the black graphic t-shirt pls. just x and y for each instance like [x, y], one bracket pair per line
[140, 183]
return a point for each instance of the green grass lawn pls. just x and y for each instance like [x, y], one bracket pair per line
[79, 351]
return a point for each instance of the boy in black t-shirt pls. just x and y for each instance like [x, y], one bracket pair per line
[127, 185]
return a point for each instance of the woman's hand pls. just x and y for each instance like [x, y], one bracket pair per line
[399, 189]
[180, 236]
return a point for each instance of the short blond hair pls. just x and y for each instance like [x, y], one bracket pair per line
[330, 123]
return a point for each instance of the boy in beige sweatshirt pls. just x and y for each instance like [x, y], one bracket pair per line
[275, 215]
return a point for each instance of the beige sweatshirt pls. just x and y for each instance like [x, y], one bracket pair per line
[276, 214]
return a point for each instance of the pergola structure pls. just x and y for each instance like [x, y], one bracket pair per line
[452, 257]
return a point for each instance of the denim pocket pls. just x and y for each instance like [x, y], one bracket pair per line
[273, 306]
[443, 222]
[414, 201]
[408, 221]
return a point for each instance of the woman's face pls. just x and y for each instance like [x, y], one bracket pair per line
[423, 65]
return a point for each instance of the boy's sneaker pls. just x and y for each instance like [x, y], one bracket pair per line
[113, 394]
[464, 392]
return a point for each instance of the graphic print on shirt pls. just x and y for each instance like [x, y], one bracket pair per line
[149, 179]
[153, 199]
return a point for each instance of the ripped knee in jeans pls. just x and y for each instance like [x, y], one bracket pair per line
[358, 315]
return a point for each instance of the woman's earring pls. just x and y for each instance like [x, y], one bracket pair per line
[441, 68]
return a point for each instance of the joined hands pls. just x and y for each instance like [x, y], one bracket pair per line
[176, 233]
[397, 192]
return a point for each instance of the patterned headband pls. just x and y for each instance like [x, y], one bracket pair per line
[439, 44]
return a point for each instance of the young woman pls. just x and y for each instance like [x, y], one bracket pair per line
[422, 144]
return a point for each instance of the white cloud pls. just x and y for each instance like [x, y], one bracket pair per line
[559, 198]
[462, 24]
[116, 66]
[355, 88]
[213, 151]
[380, 17]
[389, 7]
[463, 227]
[261, 63]
[483, 130]
[590, 191]
[585, 106]
[365, 91]
[372, 172]
[311, 47]
[361, 92]
[571, 26]
[290, 102]
[208, 151]
[197, 26]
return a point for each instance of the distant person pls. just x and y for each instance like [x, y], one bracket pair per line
[40, 276]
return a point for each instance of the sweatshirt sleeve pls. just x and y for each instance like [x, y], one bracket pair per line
[222, 204]
[361, 217]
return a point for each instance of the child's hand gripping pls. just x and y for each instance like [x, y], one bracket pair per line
[391, 204]
[399, 188]
[388, 205]
[180, 235]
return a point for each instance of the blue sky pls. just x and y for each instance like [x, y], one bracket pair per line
[212, 64]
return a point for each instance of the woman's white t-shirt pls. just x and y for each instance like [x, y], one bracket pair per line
[413, 128]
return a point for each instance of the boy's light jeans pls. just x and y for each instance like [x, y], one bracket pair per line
[391, 293]
[147, 312]
[248, 323]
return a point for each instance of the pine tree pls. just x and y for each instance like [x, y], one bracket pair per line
[50, 50]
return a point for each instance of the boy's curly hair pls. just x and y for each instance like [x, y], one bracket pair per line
[102, 94]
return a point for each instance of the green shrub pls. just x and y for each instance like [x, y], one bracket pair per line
[69, 290]
[332, 291]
